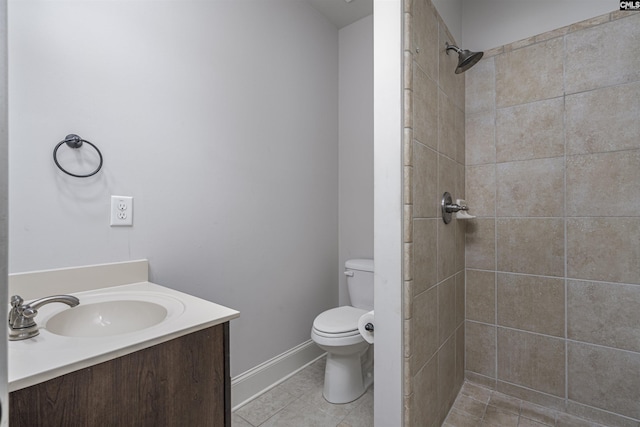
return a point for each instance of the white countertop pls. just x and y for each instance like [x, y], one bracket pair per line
[47, 355]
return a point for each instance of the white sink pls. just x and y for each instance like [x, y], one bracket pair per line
[108, 323]
[109, 315]
[105, 319]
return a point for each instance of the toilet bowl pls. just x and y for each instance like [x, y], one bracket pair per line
[349, 368]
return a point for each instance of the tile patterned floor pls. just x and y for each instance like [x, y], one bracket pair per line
[298, 402]
[477, 406]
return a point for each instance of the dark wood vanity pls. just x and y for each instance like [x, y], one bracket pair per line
[181, 382]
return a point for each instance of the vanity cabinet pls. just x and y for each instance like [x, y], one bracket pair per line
[181, 382]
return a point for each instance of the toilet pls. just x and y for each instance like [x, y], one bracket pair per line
[349, 369]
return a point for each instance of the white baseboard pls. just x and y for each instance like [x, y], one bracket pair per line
[252, 383]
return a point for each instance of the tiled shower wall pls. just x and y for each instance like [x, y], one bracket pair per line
[553, 259]
[434, 252]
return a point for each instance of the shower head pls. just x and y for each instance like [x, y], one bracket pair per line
[466, 58]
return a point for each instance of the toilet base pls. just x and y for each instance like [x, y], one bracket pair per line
[345, 380]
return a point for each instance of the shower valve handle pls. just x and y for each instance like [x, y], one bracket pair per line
[454, 207]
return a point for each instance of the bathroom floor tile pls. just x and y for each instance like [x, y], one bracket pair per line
[238, 421]
[265, 406]
[298, 402]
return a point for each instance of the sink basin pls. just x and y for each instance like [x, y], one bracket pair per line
[107, 318]
[106, 315]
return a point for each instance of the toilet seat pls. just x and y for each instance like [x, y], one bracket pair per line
[338, 322]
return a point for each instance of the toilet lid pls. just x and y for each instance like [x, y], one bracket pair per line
[338, 320]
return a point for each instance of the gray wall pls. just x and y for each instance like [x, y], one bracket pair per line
[219, 118]
[3, 208]
[491, 23]
[356, 146]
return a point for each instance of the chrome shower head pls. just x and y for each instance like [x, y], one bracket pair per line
[466, 58]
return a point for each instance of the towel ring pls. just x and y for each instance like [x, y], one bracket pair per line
[74, 141]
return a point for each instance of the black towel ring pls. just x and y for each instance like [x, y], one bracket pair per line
[74, 141]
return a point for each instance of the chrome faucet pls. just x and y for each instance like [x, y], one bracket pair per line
[22, 324]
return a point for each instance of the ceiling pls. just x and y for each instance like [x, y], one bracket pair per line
[341, 13]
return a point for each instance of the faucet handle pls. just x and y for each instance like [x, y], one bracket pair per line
[29, 312]
[16, 301]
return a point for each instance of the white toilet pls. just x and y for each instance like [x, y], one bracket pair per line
[349, 370]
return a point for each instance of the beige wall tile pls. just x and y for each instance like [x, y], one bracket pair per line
[425, 36]
[480, 344]
[447, 177]
[446, 376]
[451, 125]
[480, 131]
[604, 378]
[425, 182]
[593, 54]
[407, 299]
[604, 249]
[460, 298]
[530, 74]
[481, 190]
[480, 380]
[530, 188]
[529, 395]
[530, 131]
[425, 253]
[461, 227]
[459, 356]
[587, 23]
[604, 184]
[425, 109]
[408, 108]
[480, 87]
[407, 39]
[408, 6]
[531, 303]
[520, 44]
[446, 250]
[599, 416]
[480, 244]
[407, 144]
[424, 326]
[407, 182]
[460, 181]
[446, 309]
[407, 66]
[459, 136]
[481, 296]
[407, 222]
[531, 245]
[531, 360]
[604, 313]
[447, 143]
[408, 261]
[451, 83]
[424, 402]
[603, 120]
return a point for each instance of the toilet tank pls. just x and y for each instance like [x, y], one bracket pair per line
[359, 274]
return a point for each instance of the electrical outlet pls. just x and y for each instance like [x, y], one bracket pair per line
[121, 211]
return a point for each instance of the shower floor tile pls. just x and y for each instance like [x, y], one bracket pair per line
[298, 402]
[477, 406]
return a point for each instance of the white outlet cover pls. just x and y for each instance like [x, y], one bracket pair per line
[121, 211]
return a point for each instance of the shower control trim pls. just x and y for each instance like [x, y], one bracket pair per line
[448, 207]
